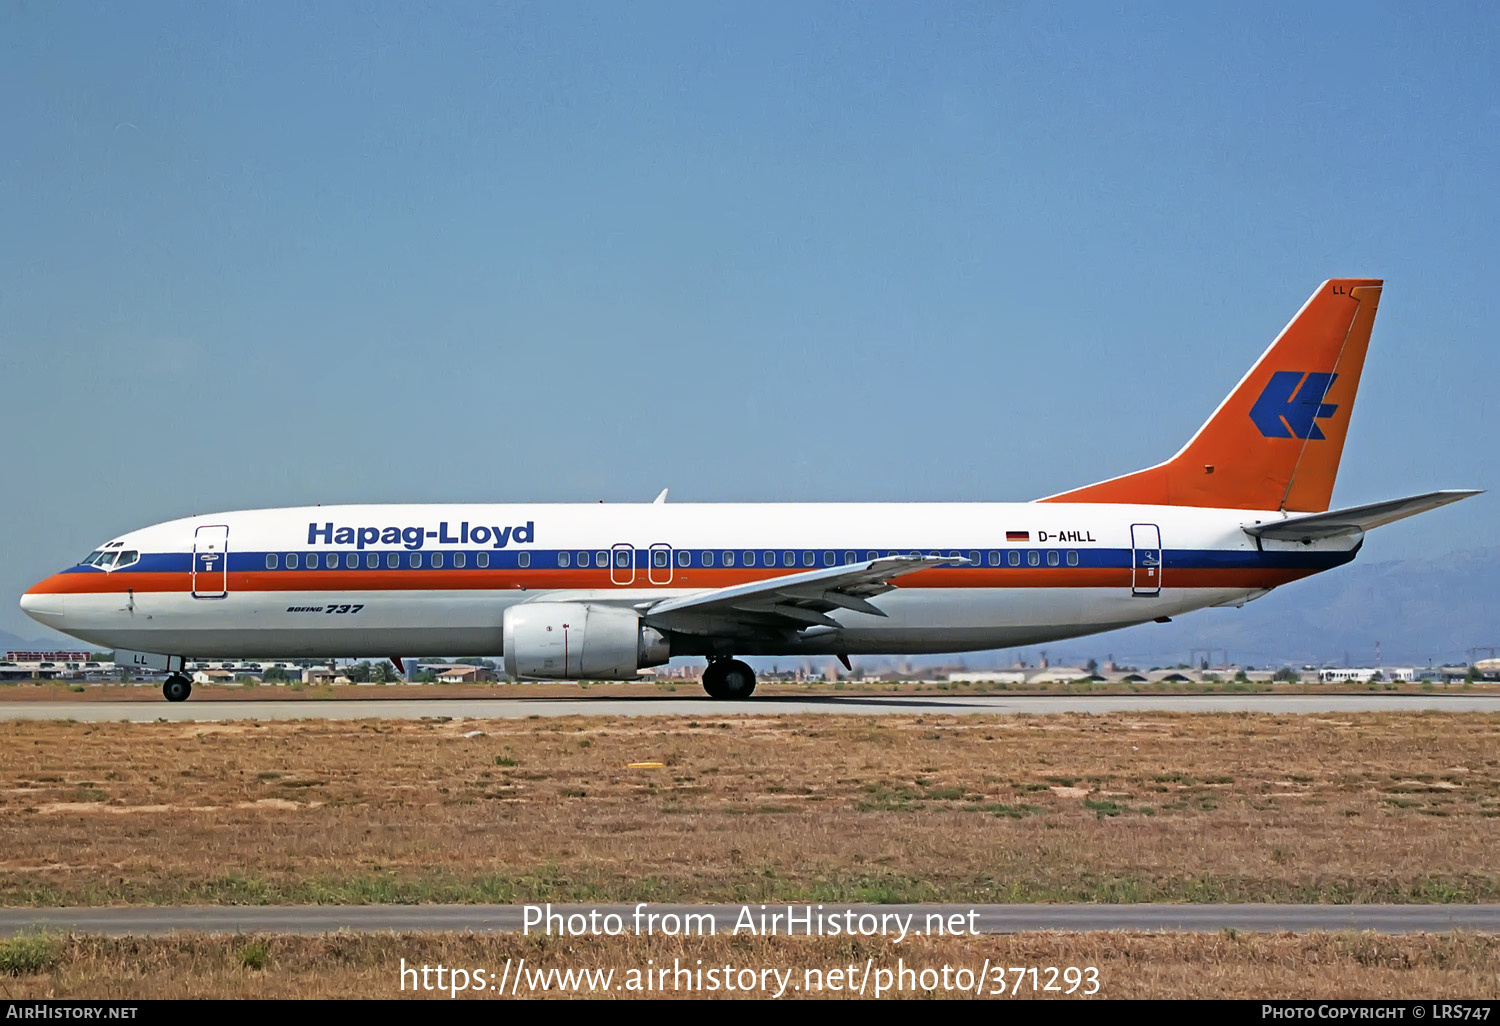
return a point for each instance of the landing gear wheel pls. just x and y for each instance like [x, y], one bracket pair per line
[713, 679]
[729, 679]
[176, 688]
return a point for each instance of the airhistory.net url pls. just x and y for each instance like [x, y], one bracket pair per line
[517, 979]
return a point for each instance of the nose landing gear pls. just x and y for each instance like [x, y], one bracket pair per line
[728, 679]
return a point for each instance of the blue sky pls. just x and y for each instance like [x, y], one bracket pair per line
[260, 255]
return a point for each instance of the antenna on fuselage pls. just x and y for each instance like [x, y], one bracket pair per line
[660, 499]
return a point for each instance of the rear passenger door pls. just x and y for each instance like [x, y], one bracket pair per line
[210, 572]
[1145, 559]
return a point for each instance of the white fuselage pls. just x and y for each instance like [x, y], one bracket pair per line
[330, 581]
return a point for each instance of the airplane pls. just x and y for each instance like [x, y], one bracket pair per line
[599, 592]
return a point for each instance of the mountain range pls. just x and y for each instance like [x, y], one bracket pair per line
[1418, 610]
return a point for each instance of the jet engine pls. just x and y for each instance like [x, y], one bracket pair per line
[578, 641]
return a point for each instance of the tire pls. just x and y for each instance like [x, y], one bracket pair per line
[737, 681]
[713, 679]
[176, 688]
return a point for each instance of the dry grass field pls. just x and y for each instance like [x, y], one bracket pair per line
[1369, 807]
[1129, 965]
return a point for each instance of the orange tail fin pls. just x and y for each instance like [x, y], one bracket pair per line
[1275, 442]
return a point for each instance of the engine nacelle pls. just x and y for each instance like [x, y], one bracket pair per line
[578, 641]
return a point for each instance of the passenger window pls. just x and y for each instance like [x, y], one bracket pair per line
[807, 558]
[583, 559]
[437, 560]
[312, 560]
[872, 555]
[563, 559]
[1052, 558]
[291, 561]
[729, 559]
[770, 558]
[622, 558]
[351, 560]
[393, 560]
[1013, 558]
[270, 560]
[659, 558]
[372, 560]
[708, 558]
[601, 559]
[482, 560]
[1072, 558]
[851, 557]
[523, 560]
[994, 559]
[414, 560]
[974, 558]
[828, 559]
[749, 559]
[1033, 558]
[684, 558]
[460, 560]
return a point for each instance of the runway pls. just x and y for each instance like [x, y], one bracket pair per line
[521, 708]
[987, 919]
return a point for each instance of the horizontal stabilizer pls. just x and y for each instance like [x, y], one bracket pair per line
[1356, 518]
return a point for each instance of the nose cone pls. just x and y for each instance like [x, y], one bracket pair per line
[43, 605]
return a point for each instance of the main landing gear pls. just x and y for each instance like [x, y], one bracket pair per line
[176, 688]
[729, 679]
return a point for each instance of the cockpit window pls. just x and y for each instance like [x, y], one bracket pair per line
[105, 560]
[89, 559]
[126, 558]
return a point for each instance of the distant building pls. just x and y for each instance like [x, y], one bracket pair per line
[1365, 674]
[460, 673]
[1061, 674]
[989, 677]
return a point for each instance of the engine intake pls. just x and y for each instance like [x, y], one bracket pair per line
[578, 641]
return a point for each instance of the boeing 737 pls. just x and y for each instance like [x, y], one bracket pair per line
[599, 591]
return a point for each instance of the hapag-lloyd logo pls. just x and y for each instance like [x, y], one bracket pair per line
[416, 537]
[1292, 403]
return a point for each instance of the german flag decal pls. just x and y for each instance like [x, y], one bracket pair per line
[1018, 536]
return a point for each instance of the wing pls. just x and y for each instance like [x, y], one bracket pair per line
[1356, 518]
[793, 602]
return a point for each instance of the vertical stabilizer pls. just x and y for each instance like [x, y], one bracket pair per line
[1275, 442]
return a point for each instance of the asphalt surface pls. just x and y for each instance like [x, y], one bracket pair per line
[316, 919]
[520, 708]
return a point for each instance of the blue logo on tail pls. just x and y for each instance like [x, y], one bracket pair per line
[1292, 403]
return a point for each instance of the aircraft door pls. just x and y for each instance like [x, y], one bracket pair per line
[1145, 559]
[211, 562]
[660, 570]
[622, 564]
